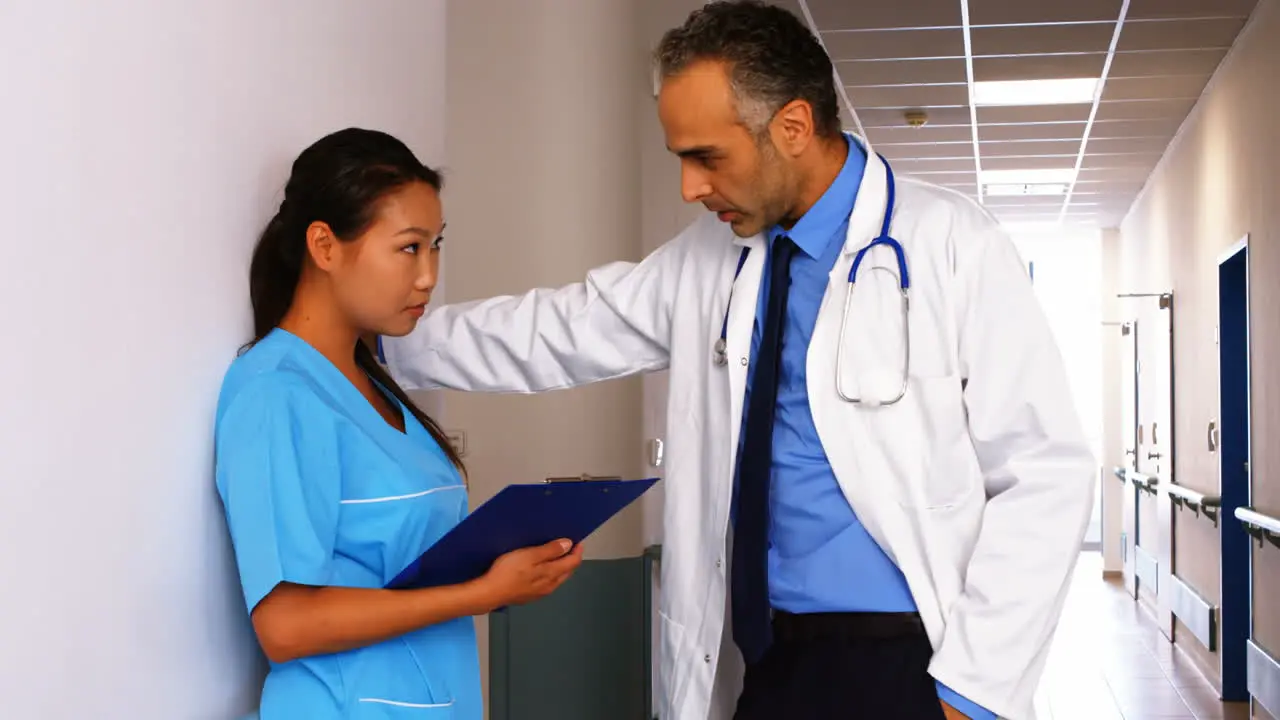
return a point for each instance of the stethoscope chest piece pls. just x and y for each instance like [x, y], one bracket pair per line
[719, 353]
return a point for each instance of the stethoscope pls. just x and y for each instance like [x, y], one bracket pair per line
[719, 351]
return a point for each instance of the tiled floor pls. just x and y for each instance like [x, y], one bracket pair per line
[1110, 662]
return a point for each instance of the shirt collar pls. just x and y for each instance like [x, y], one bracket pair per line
[816, 229]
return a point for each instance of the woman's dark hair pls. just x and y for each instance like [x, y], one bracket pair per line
[339, 180]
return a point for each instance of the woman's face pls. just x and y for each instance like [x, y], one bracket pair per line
[382, 280]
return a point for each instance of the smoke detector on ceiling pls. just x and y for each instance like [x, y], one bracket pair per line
[916, 118]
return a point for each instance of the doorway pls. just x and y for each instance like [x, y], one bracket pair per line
[1233, 464]
[1129, 403]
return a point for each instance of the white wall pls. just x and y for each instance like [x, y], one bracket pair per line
[143, 142]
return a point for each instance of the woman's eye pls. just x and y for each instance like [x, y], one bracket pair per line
[412, 248]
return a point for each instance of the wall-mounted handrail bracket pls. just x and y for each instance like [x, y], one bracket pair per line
[1195, 502]
[1165, 299]
[1262, 528]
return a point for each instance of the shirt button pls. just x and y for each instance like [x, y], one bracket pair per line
[706, 658]
[744, 362]
[719, 563]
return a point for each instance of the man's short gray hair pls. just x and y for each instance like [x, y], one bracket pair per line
[772, 59]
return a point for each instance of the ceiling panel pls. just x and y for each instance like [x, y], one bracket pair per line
[1142, 127]
[895, 44]
[844, 15]
[1145, 109]
[1174, 87]
[1179, 34]
[1010, 12]
[902, 72]
[1044, 162]
[1165, 62]
[1067, 146]
[922, 136]
[1115, 174]
[916, 166]
[911, 96]
[1041, 202]
[893, 118]
[1150, 9]
[934, 151]
[948, 178]
[910, 55]
[1033, 114]
[1088, 187]
[1120, 160]
[1034, 131]
[1034, 67]
[1041, 39]
[1101, 145]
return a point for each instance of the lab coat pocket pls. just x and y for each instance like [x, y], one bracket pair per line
[941, 471]
[671, 651]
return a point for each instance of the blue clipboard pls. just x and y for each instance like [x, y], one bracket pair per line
[519, 516]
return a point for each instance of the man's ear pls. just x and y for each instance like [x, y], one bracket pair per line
[322, 245]
[794, 127]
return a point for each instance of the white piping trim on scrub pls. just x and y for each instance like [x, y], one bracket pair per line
[401, 497]
[420, 706]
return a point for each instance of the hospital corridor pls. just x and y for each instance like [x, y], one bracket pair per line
[909, 360]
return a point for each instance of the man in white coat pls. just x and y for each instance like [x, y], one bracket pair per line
[852, 529]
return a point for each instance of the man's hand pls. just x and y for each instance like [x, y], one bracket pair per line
[952, 713]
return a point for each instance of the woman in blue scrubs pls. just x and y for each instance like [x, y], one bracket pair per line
[331, 478]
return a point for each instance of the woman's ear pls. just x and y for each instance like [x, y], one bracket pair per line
[322, 245]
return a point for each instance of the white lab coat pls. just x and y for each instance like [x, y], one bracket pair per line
[979, 483]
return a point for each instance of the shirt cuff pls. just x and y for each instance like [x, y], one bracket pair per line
[971, 710]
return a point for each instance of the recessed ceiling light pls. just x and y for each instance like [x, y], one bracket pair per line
[1029, 176]
[1061, 91]
[1008, 189]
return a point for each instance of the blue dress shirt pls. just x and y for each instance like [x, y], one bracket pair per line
[821, 558]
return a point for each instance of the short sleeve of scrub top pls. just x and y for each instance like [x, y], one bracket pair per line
[283, 524]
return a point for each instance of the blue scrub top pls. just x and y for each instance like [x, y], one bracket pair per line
[319, 489]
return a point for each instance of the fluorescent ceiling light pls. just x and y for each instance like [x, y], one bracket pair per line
[1063, 91]
[1005, 190]
[1030, 176]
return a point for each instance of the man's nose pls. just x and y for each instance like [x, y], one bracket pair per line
[693, 184]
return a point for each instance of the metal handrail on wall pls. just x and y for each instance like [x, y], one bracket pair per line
[1145, 483]
[1260, 527]
[1196, 502]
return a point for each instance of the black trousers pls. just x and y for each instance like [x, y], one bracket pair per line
[843, 666]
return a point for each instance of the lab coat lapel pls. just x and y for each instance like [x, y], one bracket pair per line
[742, 317]
[847, 432]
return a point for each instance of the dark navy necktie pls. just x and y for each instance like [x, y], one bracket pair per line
[752, 617]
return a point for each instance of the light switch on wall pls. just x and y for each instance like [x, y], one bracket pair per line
[655, 452]
[457, 438]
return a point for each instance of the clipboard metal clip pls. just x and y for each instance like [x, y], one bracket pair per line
[582, 478]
